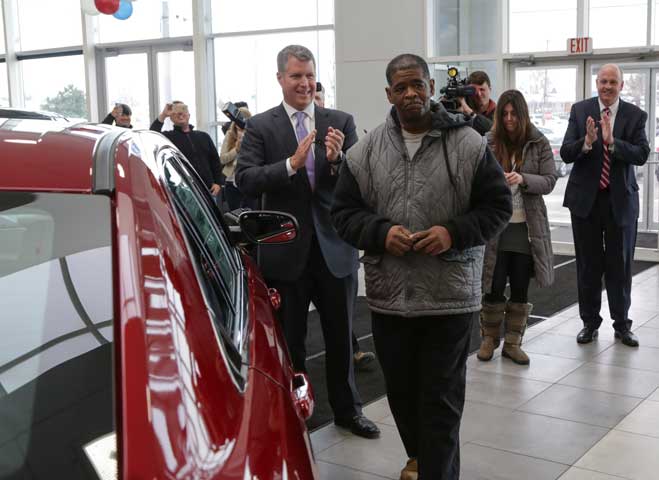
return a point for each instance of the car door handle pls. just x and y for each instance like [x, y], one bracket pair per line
[275, 298]
[303, 395]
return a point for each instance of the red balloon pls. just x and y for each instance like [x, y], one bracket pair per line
[107, 6]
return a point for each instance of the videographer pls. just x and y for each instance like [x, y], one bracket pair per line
[480, 107]
[228, 155]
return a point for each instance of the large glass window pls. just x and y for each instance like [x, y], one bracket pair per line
[464, 27]
[131, 89]
[550, 93]
[541, 26]
[615, 24]
[2, 33]
[150, 19]
[176, 79]
[246, 67]
[251, 15]
[49, 24]
[4, 88]
[56, 364]
[64, 90]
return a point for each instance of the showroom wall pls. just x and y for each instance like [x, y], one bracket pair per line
[369, 33]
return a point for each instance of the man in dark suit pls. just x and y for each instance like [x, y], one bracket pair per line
[290, 156]
[605, 139]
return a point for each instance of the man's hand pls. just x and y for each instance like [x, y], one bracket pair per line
[166, 112]
[399, 240]
[607, 130]
[433, 241]
[116, 111]
[591, 132]
[300, 155]
[334, 143]
[215, 189]
[514, 178]
[464, 107]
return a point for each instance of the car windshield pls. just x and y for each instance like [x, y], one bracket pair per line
[56, 389]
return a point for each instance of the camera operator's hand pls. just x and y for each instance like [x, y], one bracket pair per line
[398, 241]
[464, 107]
[300, 155]
[433, 241]
[166, 112]
[334, 143]
[215, 189]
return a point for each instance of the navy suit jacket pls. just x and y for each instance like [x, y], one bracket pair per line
[261, 171]
[631, 148]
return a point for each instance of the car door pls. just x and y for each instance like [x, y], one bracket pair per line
[271, 440]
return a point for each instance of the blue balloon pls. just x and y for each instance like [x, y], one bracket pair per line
[125, 10]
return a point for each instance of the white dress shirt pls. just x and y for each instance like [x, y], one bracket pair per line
[309, 124]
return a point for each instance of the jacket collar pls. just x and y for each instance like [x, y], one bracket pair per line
[180, 130]
[441, 119]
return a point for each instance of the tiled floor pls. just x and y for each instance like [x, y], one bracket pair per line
[578, 412]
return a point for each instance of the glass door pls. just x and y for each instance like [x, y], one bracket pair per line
[550, 91]
[146, 78]
[641, 88]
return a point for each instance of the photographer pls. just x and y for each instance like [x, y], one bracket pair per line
[120, 116]
[480, 107]
[228, 155]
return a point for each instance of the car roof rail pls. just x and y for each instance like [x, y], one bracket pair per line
[103, 161]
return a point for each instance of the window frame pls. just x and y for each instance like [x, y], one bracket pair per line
[233, 340]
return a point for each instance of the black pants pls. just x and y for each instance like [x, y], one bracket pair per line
[424, 364]
[604, 249]
[516, 267]
[330, 295]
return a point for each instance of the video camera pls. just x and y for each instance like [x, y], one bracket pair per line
[233, 113]
[455, 88]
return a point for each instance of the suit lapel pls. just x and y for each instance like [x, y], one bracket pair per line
[322, 124]
[619, 126]
[283, 125]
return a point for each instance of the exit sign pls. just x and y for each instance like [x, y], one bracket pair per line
[579, 45]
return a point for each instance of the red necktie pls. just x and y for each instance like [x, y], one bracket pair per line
[606, 164]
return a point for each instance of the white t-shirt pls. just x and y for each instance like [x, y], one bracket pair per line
[413, 141]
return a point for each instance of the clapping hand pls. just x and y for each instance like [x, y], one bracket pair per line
[300, 156]
[591, 132]
[334, 143]
[607, 130]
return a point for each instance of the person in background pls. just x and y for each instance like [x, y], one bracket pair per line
[361, 359]
[605, 140]
[228, 154]
[197, 146]
[480, 107]
[523, 250]
[120, 116]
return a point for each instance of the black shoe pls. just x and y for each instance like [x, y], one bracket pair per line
[363, 359]
[359, 425]
[628, 338]
[587, 335]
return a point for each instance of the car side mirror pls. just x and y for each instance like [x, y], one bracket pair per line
[264, 227]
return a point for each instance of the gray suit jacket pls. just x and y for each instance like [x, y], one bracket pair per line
[261, 171]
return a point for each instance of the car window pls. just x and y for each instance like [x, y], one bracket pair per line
[56, 375]
[217, 260]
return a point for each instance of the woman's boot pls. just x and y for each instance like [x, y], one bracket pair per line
[491, 318]
[517, 316]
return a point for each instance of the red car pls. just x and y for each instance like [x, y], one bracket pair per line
[138, 339]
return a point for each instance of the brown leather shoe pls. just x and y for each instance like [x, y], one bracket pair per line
[411, 470]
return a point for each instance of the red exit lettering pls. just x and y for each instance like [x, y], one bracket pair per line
[579, 45]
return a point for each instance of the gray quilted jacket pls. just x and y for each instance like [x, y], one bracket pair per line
[539, 173]
[382, 187]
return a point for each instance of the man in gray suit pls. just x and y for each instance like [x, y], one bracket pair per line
[290, 156]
